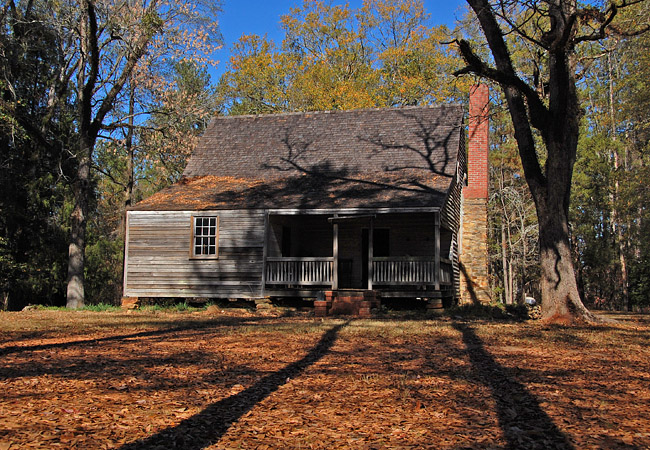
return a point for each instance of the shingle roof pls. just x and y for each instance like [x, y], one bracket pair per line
[372, 157]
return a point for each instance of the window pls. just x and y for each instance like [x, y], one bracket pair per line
[205, 236]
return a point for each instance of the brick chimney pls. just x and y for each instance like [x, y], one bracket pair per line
[477, 147]
[474, 282]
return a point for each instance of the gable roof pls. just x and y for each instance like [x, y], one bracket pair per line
[391, 157]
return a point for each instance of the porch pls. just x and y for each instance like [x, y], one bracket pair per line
[398, 254]
[386, 271]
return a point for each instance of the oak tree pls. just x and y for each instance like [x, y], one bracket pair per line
[546, 102]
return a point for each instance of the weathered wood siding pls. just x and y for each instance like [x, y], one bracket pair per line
[450, 216]
[158, 262]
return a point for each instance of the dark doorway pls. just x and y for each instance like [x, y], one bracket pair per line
[286, 241]
[380, 248]
[345, 273]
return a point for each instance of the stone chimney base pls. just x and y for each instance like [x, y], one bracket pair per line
[474, 282]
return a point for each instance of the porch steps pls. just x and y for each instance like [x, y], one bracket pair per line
[347, 302]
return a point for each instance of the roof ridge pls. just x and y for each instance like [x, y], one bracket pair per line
[336, 111]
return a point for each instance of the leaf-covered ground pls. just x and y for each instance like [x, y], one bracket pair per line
[238, 380]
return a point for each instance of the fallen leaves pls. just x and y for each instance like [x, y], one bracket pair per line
[108, 380]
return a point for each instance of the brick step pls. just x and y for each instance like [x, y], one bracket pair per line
[349, 303]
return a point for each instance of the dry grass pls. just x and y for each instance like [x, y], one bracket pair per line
[237, 380]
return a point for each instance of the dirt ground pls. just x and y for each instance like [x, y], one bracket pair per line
[234, 379]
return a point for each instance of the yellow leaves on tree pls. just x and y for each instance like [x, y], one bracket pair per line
[334, 57]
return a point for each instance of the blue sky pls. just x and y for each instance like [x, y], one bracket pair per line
[263, 17]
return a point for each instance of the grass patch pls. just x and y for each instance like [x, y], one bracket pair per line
[100, 307]
[172, 308]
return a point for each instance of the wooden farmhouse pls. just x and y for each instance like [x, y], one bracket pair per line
[314, 205]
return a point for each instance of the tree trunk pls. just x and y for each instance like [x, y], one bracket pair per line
[511, 285]
[524, 251]
[511, 264]
[561, 301]
[618, 232]
[88, 76]
[128, 189]
[88, 64]
[504, 262]
[76, 250]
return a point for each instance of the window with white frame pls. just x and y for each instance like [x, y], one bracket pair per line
[205, 236]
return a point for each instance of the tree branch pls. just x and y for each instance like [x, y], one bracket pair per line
[606, 19]
[151, 28]
[109, 175]
[514, 89]
[539, 112]
[89, 87]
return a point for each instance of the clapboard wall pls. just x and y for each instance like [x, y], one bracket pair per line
[158, 262]
[452, 211]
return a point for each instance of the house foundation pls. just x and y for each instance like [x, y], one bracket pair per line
[346, 302]
[130, 302]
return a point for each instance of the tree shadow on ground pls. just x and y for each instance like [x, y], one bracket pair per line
[208, 426]
[524, 423]
[206, 325]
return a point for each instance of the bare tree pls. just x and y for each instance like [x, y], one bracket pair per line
[100, 44]
[91, 117]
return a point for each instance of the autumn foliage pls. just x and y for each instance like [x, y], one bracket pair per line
[334, 57]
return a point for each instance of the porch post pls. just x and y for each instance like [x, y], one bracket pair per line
[370, 252]
[265, 253]
[335, 254]
[436, 258]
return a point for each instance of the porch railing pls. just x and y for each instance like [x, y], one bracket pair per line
[387, 271]
[409, 270]
[300, 271]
